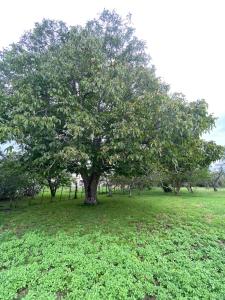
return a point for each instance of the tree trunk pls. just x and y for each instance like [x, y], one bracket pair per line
[190, 188]
[90, 188]
[11, 202]
[215, 188]
[177, 186]
[166, 188]
[61, 193]
[70, 189]
[75, 193]
[53, 188]
[177, 190]
[109, 191]
[216, 180]
[53, 192]
[129, 188]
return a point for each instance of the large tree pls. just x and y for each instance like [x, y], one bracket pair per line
[88, 97]
[88, 93]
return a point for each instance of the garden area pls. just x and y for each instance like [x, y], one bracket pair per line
[148, 246]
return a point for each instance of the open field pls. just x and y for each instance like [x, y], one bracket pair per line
[149, 246]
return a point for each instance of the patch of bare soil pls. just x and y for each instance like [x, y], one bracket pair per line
[149, 297]
[221, 242]
[21, 293]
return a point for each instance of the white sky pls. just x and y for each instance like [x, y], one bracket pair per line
[185, 38]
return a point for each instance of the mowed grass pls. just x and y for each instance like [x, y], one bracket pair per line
[149, 246]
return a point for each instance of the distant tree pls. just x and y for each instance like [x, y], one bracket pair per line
[185, 153]
[200, 177]
[217, 175]
[129, 183]
[184, 169]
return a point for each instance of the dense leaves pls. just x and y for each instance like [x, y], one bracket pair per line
[87, 99]
[86, 96]
[185, 153]
[15, 182]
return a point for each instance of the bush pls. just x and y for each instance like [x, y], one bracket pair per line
[15, 182]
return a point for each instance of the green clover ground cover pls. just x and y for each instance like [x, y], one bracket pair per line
[150, 246]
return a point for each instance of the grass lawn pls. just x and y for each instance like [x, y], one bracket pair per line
[149, 246]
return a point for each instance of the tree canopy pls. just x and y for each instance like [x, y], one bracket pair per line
[86, 99]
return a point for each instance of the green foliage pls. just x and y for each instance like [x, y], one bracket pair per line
[185, 152]
[151, 245]
[201, 177]
[86, 97]
[15, 181]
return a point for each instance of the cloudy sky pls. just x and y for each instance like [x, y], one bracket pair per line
[185, 39]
